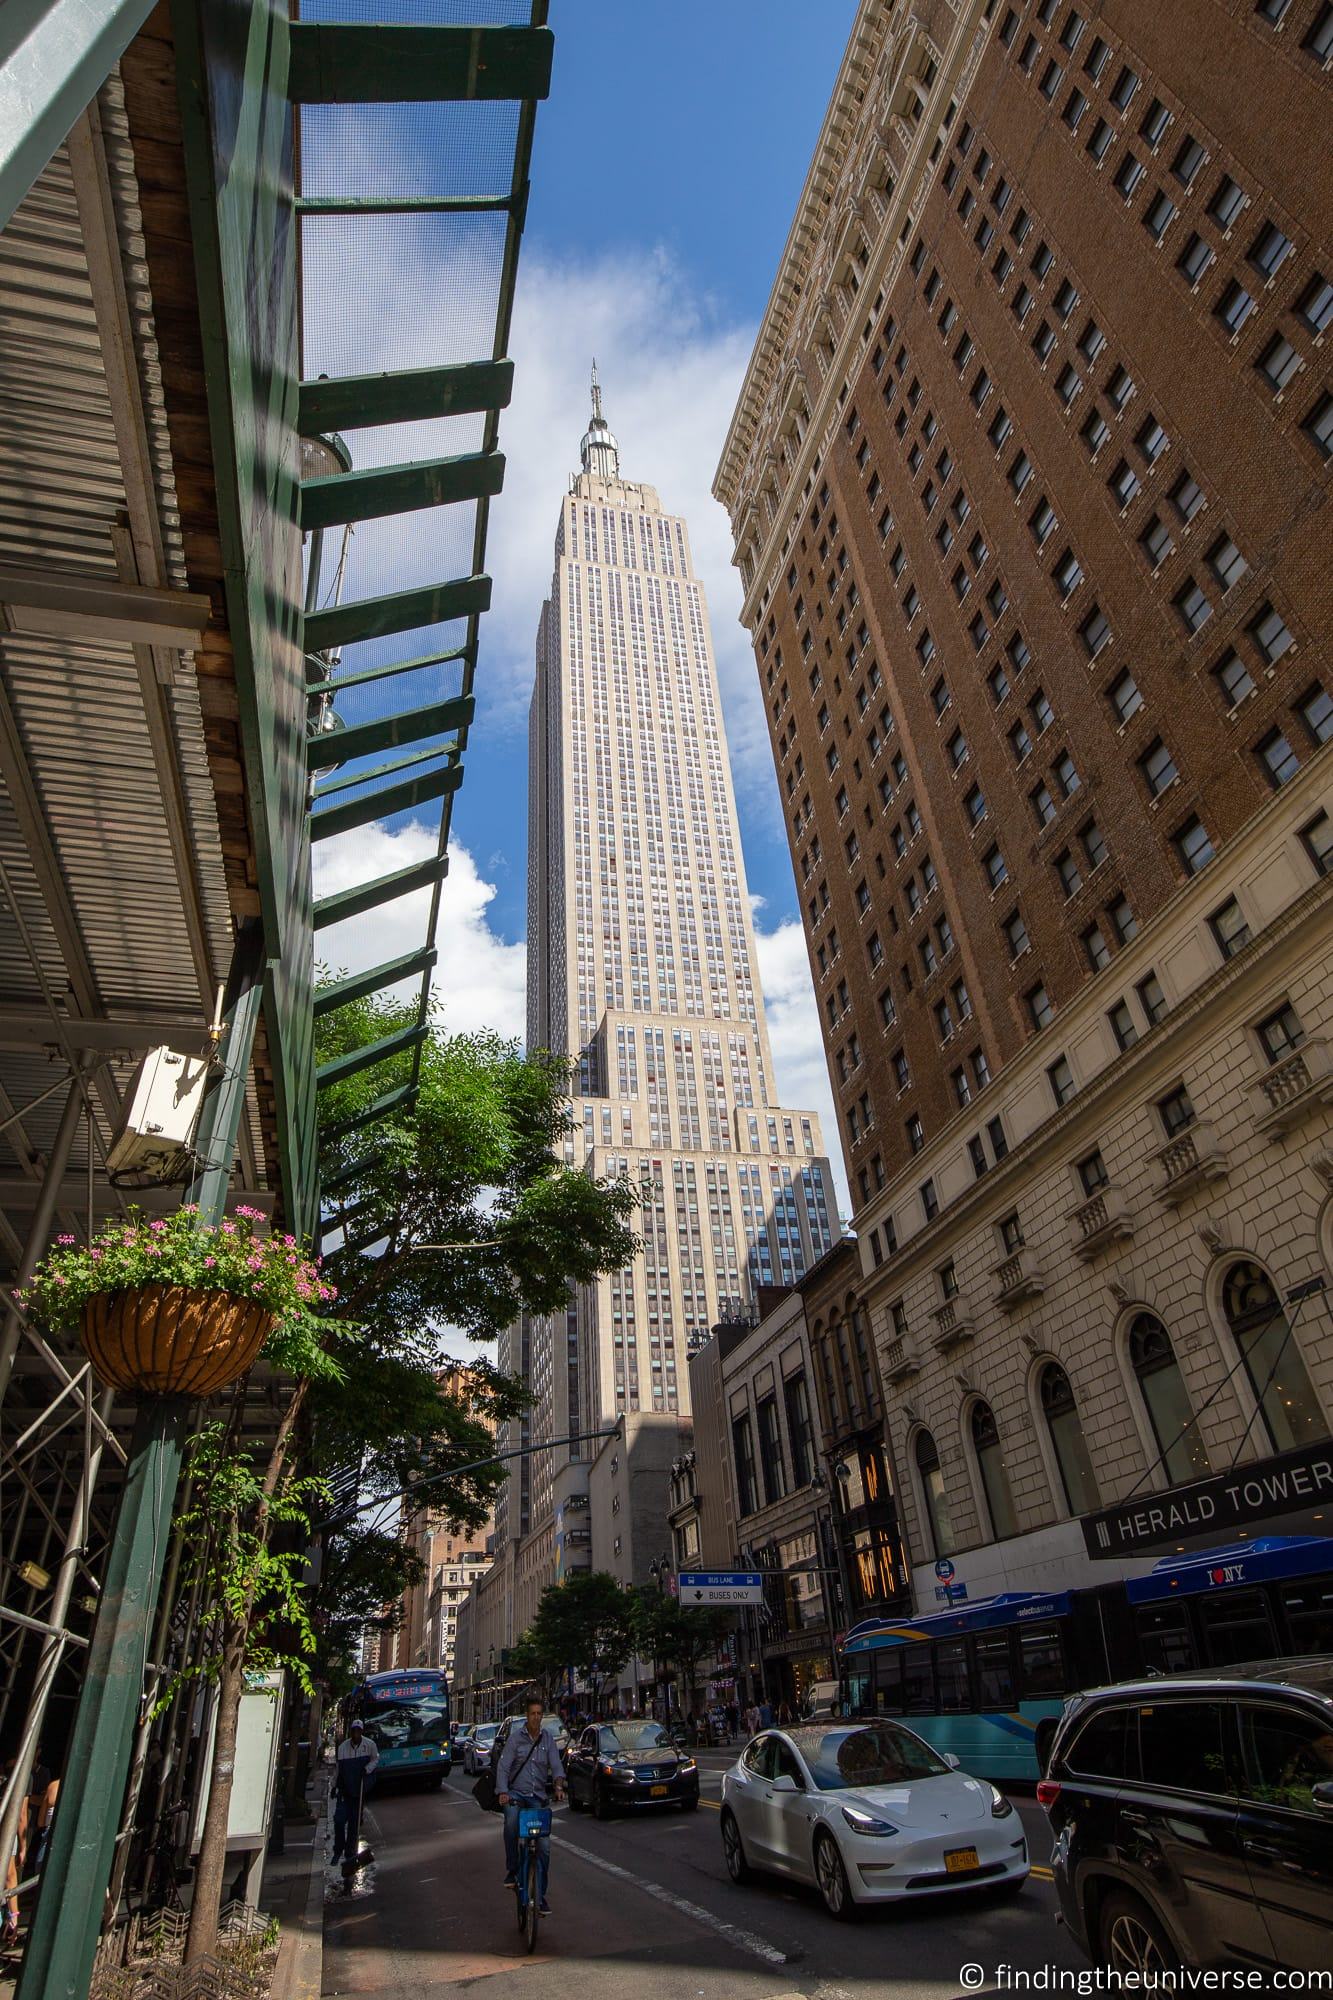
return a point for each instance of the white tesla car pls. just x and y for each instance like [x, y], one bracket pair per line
[868, 1813]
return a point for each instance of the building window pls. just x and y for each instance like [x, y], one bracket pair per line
[1156, 542]
[1229, 928]
[930, 1201]
[1227, 202]
[1193, 845]
[1095, 632]
[1180, 1448]
[1061, 1079]
[1278, 363]
[1270, 635]
[1068, 574]
[1158, 768]
[1040, 1010]
[1234, 307]
[994, 1478]
[742, 1450]
[1066, 867]
[1277, 757]
[1280, 1032]
[770, 1450]
[1067, 1440]
[1194, 259]
[1187, 497]
[1097, 950]
[1270, 250]
[1123, 1026]
[1158, 215]
[1175, 1111]
[1092, 1174]
[1273, 1361]
[1316, 303]
[1193, 606]
[1124, 696]
[1152, 999]
[1015, 931]
[1316, 709]
[1121, 913]
[1233, 678]
[996, 872]
[933, 1494]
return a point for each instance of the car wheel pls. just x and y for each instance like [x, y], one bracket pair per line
[733, 1851]
[601, 1804]
[1132, 1940]
[690, 1803]
[831, 1875]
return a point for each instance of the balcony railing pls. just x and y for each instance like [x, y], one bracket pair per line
[1189, 1162]
[954, 1324]
[899, 1360]
[1018, 1278]
[1292, 1087]
[1103, 1219]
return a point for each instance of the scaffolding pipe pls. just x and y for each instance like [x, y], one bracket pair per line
[43, 1215]
[53, 1646]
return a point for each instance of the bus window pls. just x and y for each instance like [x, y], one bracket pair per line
[1309, 1609]
[1041, 1662]
[1164, 1636]
[888, 1680]
[1236, 1626]
[952, 1676]
[918, 1680]
[995, 1675]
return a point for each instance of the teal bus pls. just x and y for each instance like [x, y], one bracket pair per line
[988, 1681]
[405, 1713]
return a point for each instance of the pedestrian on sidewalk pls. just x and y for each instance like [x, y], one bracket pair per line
[354, 1768]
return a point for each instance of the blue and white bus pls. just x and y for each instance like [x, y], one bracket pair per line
[405, 1712]
[988, 1680]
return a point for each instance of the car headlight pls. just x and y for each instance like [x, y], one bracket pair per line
[688, 1764]
[864, 1822]
[1000, 1806]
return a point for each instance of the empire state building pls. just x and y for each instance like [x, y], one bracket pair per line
[642, 967]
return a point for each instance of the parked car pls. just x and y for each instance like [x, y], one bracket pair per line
[477, 1749]
[626, 1764]
[1193, 1818]
[458, 1736]
[550, 1723]
[868, 1813]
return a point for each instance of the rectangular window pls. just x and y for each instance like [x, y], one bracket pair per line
[1158, 767]
[1229, 928]
[1233, 678]
[1124, 696]
[1155, 121]
[1194, 259]
[1158, 215]
[1092, 1173]
[1187, 497]
[1128, 175]
[1278, 758]
[1192, 606]
[930, 1201]
[1066, 867]
[742, 1451]
[1015, 931]
[1040, 1010]
[1278, 363]
[1124, 482]
[1270, 635]
[1316, 709]
[770, 1450]
[1121, 913]
[1270, 250]
[1152, 999]
[1122, 1026]
[1234, 307]
[1061, 1079]
[1280, 1032]
[1096, 949]
[1316, 303]
[1175, 1111]
[1068, 574]
[1095, 432]
[1125, 86]
[1226, 562]
[1193, 845]
[1100, 139]
[1227, 202]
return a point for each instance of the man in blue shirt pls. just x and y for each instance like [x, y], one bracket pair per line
[529, 1773]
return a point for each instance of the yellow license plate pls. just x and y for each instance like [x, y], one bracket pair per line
[658, 1791]
[960, 1860]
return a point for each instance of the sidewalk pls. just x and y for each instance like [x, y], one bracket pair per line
[294, 1893]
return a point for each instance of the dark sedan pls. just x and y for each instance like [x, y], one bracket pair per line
[625, 1765]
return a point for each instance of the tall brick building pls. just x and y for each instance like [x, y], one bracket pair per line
[1028, 481]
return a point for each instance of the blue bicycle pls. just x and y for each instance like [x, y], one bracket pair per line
[534, 1826]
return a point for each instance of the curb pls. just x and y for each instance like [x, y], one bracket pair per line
[299, 1972]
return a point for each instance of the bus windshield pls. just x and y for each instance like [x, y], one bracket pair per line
[400, 1718]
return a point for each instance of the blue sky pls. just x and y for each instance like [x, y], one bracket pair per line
[667, 165]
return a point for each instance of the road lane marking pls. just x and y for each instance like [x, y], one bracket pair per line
[714, 1805]
[743, 1940]
[1046, 1874]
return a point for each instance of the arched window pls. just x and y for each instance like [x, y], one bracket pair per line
[1067, 1442]
[994, 1478]
[1273, 1362]
[932, 1490]
[1179, 1444]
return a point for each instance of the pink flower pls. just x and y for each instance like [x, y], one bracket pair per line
[64, 1239]
[61, 1280]
[157, 1227]
[97, 1256]
[229, 1229]
[209, 1262]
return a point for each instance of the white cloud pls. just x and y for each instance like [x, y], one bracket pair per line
[480, 977]
[798, 1047]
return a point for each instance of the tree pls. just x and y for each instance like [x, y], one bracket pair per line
[678, 1634]
[470, 1158]
[584, 1625]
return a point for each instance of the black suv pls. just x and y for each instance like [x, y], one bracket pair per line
[1193, 1818]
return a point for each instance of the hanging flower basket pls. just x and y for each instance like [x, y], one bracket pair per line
[173, 1307]
[168, 1340]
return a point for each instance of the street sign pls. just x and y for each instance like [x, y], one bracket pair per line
[944, 1570]
[950, 1593]
[733, 1586]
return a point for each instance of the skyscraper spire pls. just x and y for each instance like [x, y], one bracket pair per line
[599, 453]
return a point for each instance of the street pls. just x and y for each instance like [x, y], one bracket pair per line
[649, 1899]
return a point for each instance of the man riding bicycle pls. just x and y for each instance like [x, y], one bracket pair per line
[528, 1773]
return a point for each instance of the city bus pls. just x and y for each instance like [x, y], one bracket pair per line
[988, 1681]
[405, 1712]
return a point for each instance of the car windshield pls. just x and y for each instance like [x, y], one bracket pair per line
[846, 1760]
[635, 1736]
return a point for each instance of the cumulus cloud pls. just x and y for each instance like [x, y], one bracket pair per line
[481, 979]
[798, 1047]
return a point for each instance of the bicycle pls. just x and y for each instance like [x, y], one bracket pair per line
[534, 1826]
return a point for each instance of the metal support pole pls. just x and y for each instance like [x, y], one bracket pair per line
[68, 1918]
[43, 1215]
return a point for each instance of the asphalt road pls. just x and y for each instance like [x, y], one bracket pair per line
[648, 1900]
